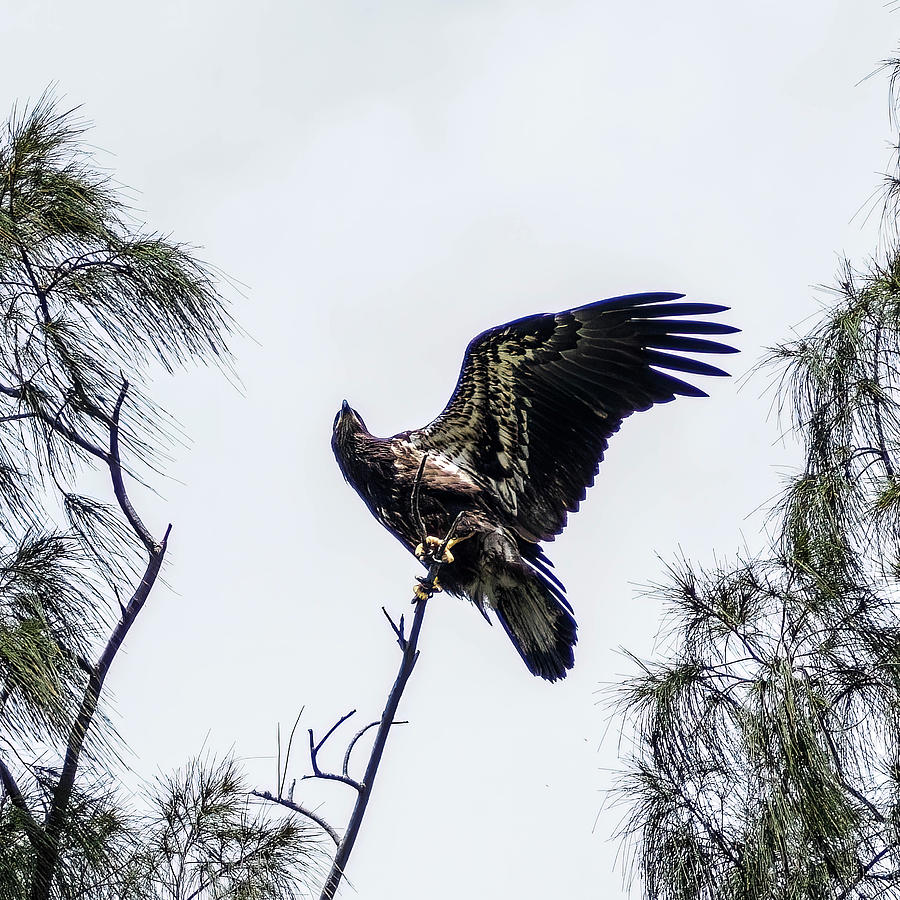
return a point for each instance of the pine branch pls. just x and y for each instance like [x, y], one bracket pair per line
[866, 869]
[57, 426]
[33, 830]
[47, 859]
[13, 791]
[879, 421]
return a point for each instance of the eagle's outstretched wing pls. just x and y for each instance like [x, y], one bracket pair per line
[537, 399]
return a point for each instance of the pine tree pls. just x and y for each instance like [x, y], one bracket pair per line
[90, 307]
[767, 742]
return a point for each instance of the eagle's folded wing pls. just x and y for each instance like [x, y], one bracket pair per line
[538, 399]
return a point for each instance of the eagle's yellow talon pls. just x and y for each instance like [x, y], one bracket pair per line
[422, 592]
[427, 550]
[454, 541]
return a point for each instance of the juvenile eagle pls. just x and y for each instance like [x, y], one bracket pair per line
[518, 445]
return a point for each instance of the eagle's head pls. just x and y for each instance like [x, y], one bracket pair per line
[348, 420]
[348, 426]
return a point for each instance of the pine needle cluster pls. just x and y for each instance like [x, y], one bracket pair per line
[767, 755]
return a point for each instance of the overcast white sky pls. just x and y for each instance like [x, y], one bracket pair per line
[387, 180]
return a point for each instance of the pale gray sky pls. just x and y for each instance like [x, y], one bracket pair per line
[387, 180]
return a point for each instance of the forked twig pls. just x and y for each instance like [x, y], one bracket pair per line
[398, 629]
[314, 749]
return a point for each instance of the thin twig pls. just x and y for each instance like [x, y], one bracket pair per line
[315, 748]
[879, 424]
[297, 808]
[40, 292]
[115, 469]
[414, 500]
[357, 736]
[865, 871]
[287, 755]
[398, 629]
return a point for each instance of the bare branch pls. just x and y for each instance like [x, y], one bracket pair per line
[357, 736]
[297, 808]
[315, 749]
[115, 469]
[407, 664]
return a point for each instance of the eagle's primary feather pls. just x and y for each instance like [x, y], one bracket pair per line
[519, 443]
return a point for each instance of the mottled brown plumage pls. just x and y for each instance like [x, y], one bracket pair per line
[518, 444]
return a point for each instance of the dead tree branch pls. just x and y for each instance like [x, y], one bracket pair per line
[409, 646]
[407, 664]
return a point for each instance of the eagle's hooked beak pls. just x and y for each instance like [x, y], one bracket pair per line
[346, 418]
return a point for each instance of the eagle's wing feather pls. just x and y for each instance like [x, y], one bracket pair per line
[538, 399]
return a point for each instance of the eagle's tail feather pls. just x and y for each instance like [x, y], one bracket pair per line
[541, 629]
